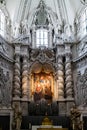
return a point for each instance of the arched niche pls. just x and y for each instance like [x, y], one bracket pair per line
[42, 82]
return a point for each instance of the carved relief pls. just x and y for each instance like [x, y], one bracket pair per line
[41, 15]
[81, 88]
[17, 117]
[6, 49]
[82, 63]
[5, 89]
[42, 55]
[5, 64]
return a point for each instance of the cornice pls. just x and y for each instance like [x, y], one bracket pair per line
[68, 43]
[20, 44]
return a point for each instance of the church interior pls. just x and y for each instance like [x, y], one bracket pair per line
[43, 64]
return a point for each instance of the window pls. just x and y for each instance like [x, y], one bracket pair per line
[42, 37]
[2, 21]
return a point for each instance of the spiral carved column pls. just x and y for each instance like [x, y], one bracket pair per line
[16, 91]
[24, 78]
[60, 78]
[68, 77]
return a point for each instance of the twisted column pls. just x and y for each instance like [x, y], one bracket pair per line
[16, 90]
[68, 77]
[60, 77]
[25, 77]
[29, 86]
[56, 84]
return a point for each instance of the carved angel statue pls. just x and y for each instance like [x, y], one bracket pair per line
[75, 115]
[17, 117]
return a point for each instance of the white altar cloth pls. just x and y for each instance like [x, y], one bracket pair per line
[45, 126]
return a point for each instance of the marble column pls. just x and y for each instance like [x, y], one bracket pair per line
[68, 77]
[25, 77]
[60, 78]
[16, 90]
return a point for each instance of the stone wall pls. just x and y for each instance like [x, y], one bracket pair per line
[79, 66]
[6, 73]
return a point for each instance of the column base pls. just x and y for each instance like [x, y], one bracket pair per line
[24, 106]
[69, 105]
[65, 105]
[62, 106]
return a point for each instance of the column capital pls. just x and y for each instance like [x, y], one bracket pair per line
[68, 57]
[17, 54]
[59, 57]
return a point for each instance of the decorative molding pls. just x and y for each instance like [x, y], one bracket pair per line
[6, 50]
[4, 63]
[22, 39]
[42, 56]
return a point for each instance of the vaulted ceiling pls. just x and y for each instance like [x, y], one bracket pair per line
[65, 9]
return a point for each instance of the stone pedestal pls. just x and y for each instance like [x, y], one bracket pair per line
[69, 105]
[65, 105]
[62, 107]
[24, 106]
